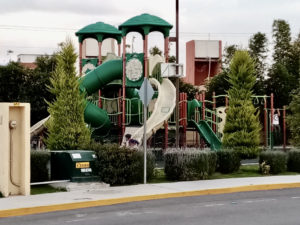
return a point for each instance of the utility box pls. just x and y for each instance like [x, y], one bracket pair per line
[75, 165]
[14, 149]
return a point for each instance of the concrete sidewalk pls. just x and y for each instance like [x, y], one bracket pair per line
[24, 205]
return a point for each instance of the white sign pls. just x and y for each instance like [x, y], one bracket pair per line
[146, 87]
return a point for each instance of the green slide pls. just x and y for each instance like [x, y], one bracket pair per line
[202, 127]
[92, 82]
[208, 134]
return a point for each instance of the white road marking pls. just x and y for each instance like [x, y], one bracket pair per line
[296, 197]
[213, 205]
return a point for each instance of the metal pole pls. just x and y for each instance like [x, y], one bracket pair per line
[144, 138]
[272, 127]
[284, 129]
[177, 79]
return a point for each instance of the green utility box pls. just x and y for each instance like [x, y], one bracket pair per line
[75, 165]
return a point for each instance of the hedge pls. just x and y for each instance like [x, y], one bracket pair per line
[277, 160]
[119, 165]
[190, 164]
[293, 163]
[228, 161]
[38, 165]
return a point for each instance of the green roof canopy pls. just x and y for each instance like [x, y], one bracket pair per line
[144, 24]
[99, 31]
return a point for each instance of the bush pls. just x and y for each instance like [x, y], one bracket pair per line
[38, 165]
[189, 164]
[277, 161]
[228, 161]
[293, 163]
[119, 166]
[1, 195]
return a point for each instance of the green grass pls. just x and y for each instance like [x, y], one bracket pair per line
[43, 189]
[244, 171]
[159, 176]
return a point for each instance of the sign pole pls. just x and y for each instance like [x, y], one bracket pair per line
[145, 129]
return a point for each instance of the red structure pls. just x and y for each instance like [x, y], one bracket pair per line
[203, 60]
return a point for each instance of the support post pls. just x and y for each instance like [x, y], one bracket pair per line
[166, 134]
[99, 63]
[214, 110]
[177, 79]
[166, 49]
[80, 58]
[266, 122]
[272, 127]
[284, 128]
[123, 87]
[119, 50]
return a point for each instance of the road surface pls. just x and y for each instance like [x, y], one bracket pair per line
[257, 208]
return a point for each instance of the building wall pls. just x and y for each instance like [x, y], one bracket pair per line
[190, 63]
[199, 54]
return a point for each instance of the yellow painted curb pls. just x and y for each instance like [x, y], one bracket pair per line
[86, 204]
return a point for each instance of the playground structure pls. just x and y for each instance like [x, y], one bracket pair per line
[113, 105]
[117, 106]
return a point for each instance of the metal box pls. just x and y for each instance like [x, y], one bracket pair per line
[74, 165]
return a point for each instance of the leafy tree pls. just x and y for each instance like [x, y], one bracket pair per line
[242, 128]
[294, 118]
[13, 79]
[282, 80]
[282, 41]
[46, 63]
[228, 54]
[155, 51]
[66, 126]
[172, 59]
[258, 51]
[281, 83]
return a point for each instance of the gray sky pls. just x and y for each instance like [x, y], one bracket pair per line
[37, 26]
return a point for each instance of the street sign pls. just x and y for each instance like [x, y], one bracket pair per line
[146, 92]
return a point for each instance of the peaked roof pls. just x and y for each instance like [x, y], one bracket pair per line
[144, 24]
[99, 31]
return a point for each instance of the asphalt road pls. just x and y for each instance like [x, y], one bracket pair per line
[260, 207]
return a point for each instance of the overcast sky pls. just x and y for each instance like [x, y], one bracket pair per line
[37, 26]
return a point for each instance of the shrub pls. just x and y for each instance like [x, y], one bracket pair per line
[277, 161]
[38, 165]
[293, 163]
[189, 164]
[228, 161]
[1, 195]
[120, 165]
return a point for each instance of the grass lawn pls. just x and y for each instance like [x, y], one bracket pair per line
[244, 171]
[43, 189]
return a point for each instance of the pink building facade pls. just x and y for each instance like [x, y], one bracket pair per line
[203, 61]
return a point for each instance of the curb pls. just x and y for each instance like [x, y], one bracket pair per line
[106, 202]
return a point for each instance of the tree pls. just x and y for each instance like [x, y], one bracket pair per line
[282, 78]
[66, 126]
[228, 54]
[258, 51]
[242, 128]
[293, 119]
[155, 51]
[282, 41]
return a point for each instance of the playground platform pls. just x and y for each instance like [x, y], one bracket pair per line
[91, 197]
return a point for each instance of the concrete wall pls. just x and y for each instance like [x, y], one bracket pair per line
[190, 63]
[15, 149]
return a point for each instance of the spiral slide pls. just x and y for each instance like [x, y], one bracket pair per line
[91, 83]
[163, 109]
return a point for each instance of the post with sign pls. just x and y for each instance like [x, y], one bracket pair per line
[146, 92]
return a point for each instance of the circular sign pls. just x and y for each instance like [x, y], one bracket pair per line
[134, 69]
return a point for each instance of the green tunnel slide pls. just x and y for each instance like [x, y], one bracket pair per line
[92, 82]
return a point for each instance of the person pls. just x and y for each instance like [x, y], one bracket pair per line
[130, 142]
[276, 126]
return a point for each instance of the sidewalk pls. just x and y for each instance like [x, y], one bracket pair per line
[24, 205]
